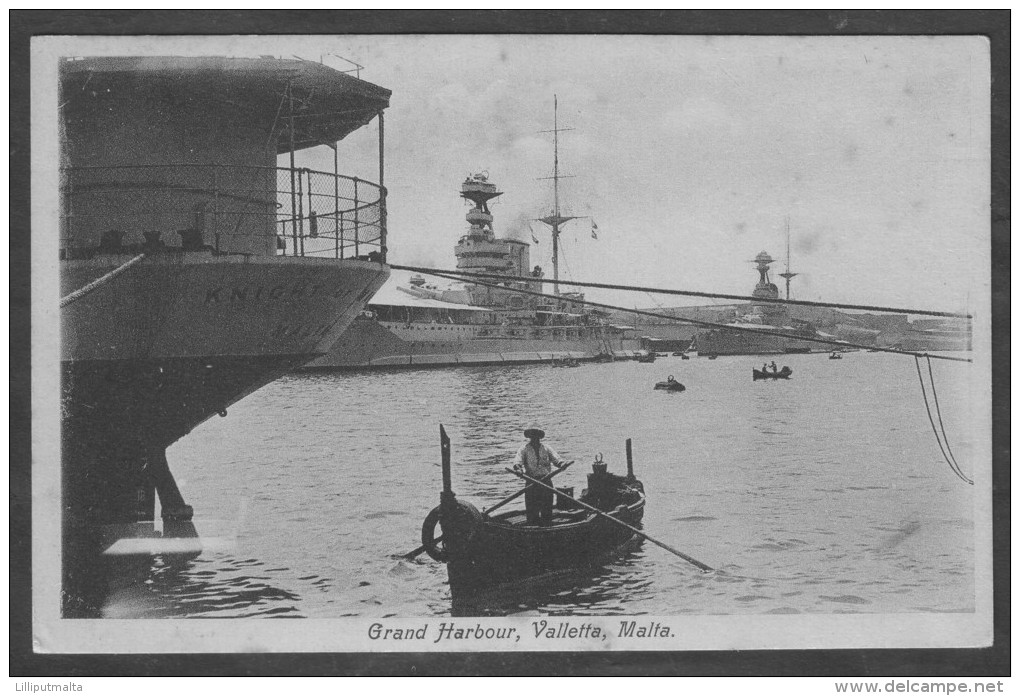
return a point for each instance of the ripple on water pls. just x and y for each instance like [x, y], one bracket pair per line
[844, 599]
[769, 484]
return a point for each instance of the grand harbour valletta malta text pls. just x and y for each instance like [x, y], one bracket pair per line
[537, 630]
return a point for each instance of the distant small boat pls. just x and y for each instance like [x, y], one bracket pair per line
[835, 356]
[670, 385]
[646, 358]
[565, 362]
[768, 374]
[684, 356]
[712, 357]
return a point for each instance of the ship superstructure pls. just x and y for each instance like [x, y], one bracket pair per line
[194, 269]
[480, 251]
[413, 323]
[752, 333]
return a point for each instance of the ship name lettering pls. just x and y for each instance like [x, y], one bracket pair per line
[651, 629]
[241, 293]
[213, 295]
[566, 629]
[299, 290]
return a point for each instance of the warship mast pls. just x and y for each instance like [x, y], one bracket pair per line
[787, 275]
[555, 220]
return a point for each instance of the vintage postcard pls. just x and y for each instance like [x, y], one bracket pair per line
[511, 343]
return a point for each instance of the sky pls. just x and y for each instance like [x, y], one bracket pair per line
[690, 153]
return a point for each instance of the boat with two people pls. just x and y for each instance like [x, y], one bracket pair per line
[670, 384]
[835, 356]
[771, 372]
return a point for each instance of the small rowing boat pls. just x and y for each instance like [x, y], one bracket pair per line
[482, 551]
[670, 385]
[769, 374]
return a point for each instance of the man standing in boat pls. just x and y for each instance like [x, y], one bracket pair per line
[537, 461]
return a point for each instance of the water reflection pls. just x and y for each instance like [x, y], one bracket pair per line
[223, 587]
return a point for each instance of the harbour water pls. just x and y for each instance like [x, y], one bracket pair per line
[823, 494]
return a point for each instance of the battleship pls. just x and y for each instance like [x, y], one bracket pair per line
[193, 268]
[413, 323]
[752, 333]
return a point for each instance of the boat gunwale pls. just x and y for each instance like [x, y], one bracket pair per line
[499, 523]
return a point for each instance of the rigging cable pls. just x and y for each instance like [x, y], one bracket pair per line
[690, 293]
[951, 462]
[682, 320]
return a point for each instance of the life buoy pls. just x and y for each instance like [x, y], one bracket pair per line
[466, 520]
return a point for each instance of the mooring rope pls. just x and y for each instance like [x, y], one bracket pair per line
[938, 411]
[97, 283]
[951, 462]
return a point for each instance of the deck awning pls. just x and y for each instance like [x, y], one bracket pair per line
[328, 104]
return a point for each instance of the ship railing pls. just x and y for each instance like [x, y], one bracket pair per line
[222, 208]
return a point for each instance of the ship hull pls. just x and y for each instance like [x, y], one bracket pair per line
[369, 344]
[167, 344]
[723, 342]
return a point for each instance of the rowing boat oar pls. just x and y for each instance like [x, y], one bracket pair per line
[421, 549]
[521, 492]
[692, 561]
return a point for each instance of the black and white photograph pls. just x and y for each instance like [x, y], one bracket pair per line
[510, 343]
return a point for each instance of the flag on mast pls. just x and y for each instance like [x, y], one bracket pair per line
[594, 230]
[533, 237]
